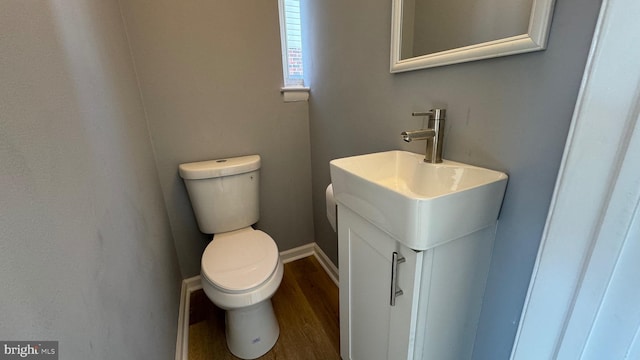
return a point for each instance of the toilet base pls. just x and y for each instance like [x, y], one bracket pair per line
[251, 331]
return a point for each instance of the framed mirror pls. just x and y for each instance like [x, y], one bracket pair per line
[429, 33]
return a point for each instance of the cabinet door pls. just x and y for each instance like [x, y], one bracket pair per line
[370, 327]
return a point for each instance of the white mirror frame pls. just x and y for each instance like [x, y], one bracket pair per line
[535, 39]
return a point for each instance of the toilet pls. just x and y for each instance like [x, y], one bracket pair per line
[241, 266]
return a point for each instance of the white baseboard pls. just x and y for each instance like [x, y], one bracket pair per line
[326, 263]
[297, 253]
[194, 283]
[182, 343]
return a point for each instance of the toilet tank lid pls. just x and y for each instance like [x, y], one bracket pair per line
[220, 167]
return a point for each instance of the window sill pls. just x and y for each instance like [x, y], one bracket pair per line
[295, 93]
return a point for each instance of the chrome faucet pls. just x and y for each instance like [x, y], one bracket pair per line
[433, 134]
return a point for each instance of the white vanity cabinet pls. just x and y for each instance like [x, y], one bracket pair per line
[435, 316]
[414, 247]
[370, 327]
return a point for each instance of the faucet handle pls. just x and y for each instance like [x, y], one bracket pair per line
[437, 114]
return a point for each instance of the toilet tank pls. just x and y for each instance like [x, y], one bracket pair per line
[224, 192]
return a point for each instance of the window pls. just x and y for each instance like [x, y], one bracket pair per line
[291, 36]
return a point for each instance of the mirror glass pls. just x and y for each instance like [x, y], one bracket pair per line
[428, 33]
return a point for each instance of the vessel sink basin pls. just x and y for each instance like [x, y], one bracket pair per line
[420, 205]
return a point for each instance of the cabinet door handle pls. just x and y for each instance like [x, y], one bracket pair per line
[395, 292]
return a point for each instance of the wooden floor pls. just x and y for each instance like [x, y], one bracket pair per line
[306, 305]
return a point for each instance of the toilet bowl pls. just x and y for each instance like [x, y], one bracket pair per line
[241, 266]
[241, 270]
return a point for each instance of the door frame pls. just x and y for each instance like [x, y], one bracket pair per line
[596, 198]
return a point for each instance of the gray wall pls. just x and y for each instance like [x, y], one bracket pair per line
[86, 254]
[510, 114]
[210, 74]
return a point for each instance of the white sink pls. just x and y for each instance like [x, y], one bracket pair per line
[419, 204]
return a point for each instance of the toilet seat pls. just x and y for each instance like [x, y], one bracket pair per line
[240, 261]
